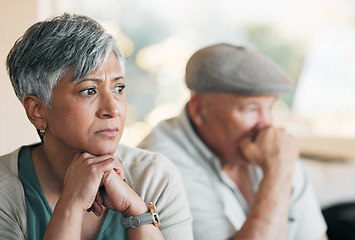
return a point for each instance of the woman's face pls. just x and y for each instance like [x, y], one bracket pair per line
[88, 115]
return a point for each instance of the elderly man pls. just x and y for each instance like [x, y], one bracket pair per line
[241, 174]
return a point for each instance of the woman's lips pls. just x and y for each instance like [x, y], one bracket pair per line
[108, 132]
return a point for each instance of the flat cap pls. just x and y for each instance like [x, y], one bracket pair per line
[234, 69]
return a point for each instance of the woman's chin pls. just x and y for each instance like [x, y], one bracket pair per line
[104, 149]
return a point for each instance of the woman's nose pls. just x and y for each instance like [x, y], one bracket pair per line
[109, 106]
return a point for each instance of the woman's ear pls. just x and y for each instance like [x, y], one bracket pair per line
[35, 111]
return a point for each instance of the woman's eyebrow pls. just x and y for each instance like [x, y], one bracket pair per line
[88, 80]
[118, 78]
[96, 80]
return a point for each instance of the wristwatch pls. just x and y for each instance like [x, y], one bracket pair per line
[135, 221]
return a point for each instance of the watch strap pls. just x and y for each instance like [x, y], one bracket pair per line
[135, 221]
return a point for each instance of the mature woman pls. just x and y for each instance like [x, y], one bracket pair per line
[79, 183]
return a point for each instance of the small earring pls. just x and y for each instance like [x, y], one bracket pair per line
[42, 132]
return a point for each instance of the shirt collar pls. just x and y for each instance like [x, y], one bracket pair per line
[210, 158]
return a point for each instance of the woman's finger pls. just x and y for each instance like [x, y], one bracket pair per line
[96, 208]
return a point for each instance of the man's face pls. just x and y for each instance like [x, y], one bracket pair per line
[228, 118]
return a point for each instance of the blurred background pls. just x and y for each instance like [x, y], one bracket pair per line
[312, 40]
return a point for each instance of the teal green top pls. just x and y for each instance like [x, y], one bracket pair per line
[39, 211]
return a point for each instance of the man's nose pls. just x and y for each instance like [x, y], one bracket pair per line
[264, 120]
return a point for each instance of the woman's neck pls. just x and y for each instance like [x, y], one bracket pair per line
[50, 167]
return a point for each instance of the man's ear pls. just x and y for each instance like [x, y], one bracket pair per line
[35, 111]
[195, 108]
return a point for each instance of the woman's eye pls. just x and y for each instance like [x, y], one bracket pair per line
[89, 91]
[119, 88]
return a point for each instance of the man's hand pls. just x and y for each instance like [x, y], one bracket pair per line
[273, 150]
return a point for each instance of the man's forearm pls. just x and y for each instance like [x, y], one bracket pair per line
[267, 219]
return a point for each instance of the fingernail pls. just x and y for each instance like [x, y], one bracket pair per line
[95, 212]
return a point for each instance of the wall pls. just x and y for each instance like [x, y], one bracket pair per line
[15, 17]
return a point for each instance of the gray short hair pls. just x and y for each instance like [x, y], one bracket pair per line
[48, 49]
